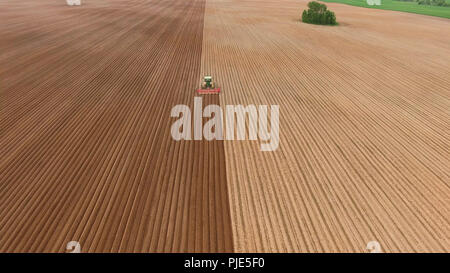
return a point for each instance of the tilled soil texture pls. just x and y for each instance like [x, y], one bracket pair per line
[364, 126]
[86, 152]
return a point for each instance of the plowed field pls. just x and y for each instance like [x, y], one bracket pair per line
[364, 126]
[86, 153]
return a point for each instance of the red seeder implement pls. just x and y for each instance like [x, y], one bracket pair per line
[209, 91]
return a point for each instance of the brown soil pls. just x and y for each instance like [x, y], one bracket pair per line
[86, 150]
[364, 126]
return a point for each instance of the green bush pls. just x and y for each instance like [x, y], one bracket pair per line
[318, 14]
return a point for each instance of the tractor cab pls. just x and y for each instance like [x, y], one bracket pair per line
[207, 82]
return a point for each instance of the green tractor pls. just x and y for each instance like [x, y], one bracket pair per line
[208, 83]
